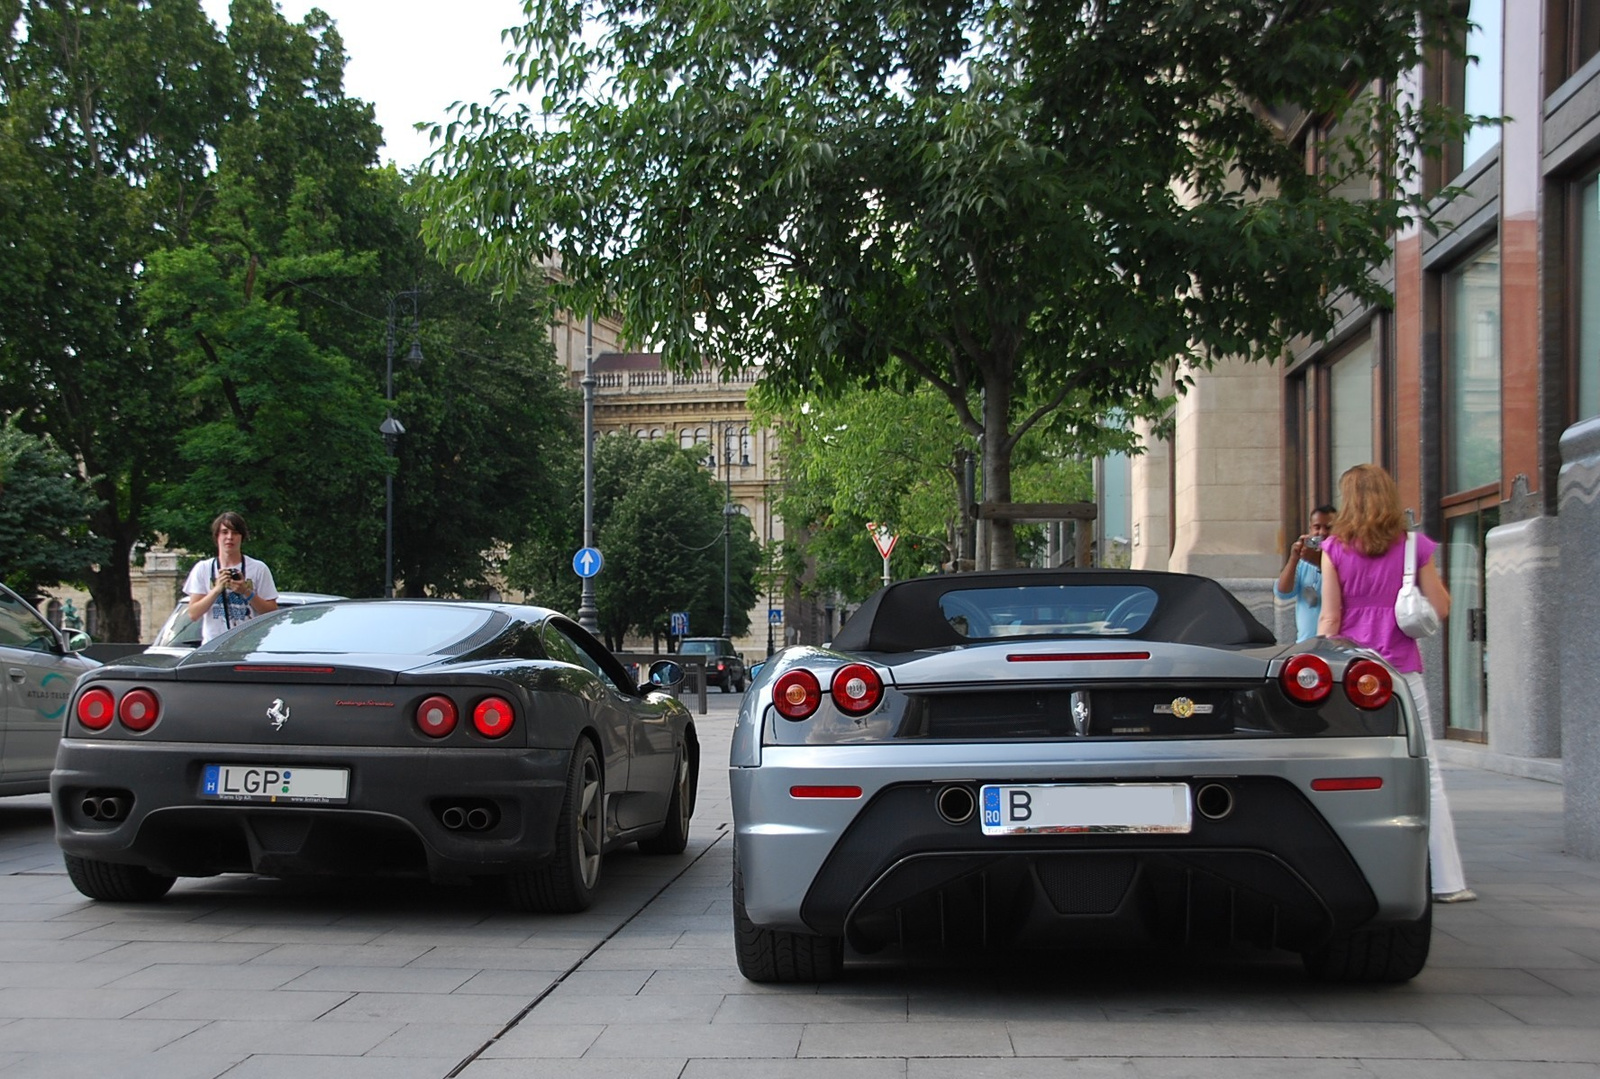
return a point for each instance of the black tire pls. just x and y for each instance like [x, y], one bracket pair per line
[1395, 953]
[774, 955]
[567, 883]
[674, 835]
[114, 883]
[727, 684]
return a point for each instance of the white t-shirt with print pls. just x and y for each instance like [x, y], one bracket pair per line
[217, 620]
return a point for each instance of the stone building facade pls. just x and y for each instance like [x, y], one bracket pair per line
[1479, 390]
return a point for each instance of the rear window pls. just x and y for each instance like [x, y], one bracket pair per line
[407, 629]
[699, 648]
[1048, 610]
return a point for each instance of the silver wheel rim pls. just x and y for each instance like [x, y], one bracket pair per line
[684, 809]
[589, 824]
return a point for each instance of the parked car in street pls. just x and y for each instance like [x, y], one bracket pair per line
[426, 738]
[41, 664]
[179, 634]
[1077, 757]
[724, 665]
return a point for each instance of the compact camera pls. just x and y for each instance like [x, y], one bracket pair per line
[232, 574]
[1314, 543]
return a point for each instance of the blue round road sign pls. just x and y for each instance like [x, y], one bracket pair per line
[587, 562]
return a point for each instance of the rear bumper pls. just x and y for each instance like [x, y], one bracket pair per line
[393, 824]
[1287, 866]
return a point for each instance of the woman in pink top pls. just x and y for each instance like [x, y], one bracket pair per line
[1363, 563]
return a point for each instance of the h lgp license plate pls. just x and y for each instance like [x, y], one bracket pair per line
[275, 783]
[1055, 808]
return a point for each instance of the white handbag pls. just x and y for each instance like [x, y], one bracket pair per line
[1412, 611]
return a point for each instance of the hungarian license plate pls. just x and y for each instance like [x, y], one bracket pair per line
[1055, 808]
[275, 783]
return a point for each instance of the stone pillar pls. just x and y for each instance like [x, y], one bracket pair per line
[157, 588]
[1579, 614]
[1524, 585]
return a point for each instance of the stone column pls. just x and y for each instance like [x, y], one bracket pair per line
[1524, 586]
[1579, 616]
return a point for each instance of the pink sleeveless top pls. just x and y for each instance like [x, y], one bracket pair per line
[1368, 586]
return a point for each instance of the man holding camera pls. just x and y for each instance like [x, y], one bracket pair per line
[1301, 577]
[230, 588]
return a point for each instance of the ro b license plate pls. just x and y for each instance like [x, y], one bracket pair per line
[1057, 808]
[275, 783]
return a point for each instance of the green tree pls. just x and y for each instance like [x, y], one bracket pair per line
[658, 519]
[1051, 203]
[108, 110]
[44, 514]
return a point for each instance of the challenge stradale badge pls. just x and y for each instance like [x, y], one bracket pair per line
[1182, 707]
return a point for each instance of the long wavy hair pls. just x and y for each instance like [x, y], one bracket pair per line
[1370, 517]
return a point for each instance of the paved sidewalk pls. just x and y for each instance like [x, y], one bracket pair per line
[251, 979]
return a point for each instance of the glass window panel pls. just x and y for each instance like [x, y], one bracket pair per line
[1586, 30]
[1467, 683]
[1481, 89]
[1472, 378]
[1589, 300]
[1350, 403]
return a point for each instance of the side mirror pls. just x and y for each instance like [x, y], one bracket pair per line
[78, 640]
[666, 674]
[755, 668]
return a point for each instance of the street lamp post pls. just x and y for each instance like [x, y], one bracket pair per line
[727, 512]
[588, 613]
[391, 428]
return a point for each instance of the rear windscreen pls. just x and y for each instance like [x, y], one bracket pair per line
[1048, 610]
[324, 628]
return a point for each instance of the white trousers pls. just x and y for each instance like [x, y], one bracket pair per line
[1442, 850]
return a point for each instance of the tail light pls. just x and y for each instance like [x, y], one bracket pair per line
[857, 689]
[492, 717]
[139, 709]
[1307, 678]
[797, 694]
[1368, 684]
[436, 716]
[96, 707]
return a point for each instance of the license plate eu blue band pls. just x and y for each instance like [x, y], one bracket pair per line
[280, 783]
[1056, 808]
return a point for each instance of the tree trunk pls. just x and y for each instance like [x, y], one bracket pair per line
[112, 588]
[1002, 547]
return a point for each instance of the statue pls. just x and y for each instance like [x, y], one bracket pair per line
[69, 617]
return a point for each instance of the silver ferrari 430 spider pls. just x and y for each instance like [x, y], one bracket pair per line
[1067, 757]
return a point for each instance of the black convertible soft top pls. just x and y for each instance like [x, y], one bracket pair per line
[910, 615]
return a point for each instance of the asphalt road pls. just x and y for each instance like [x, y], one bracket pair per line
[252, 978]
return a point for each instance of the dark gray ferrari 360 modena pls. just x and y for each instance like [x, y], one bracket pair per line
[1067, 757]
[438, 739]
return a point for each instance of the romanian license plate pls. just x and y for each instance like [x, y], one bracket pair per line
[1055, 808]
[275, 783]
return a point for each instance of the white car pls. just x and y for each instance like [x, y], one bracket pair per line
[41, 666]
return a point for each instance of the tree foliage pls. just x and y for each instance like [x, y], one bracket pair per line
[44, 514]
[1052, 203]
[658, 519]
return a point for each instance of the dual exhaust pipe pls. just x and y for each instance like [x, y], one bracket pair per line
[470, 818]
[956, 803]
[108, 808]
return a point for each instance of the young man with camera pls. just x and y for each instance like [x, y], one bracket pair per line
[1301, 576]
[230, 588]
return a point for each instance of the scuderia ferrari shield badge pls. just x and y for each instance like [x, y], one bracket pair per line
[1183, 708]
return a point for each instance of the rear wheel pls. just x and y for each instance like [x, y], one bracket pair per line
[114, 883]
[567, 882]
[674, 835]
[1395, 953]
[774, 955]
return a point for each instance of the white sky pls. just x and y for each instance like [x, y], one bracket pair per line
[412, 58]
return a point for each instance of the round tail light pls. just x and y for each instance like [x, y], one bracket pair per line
[797, 694]
[436, 716]
[492, 717]
[96, 708]
[857, 689]
[1307, 678]
[1368, 684]
[139, 709]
